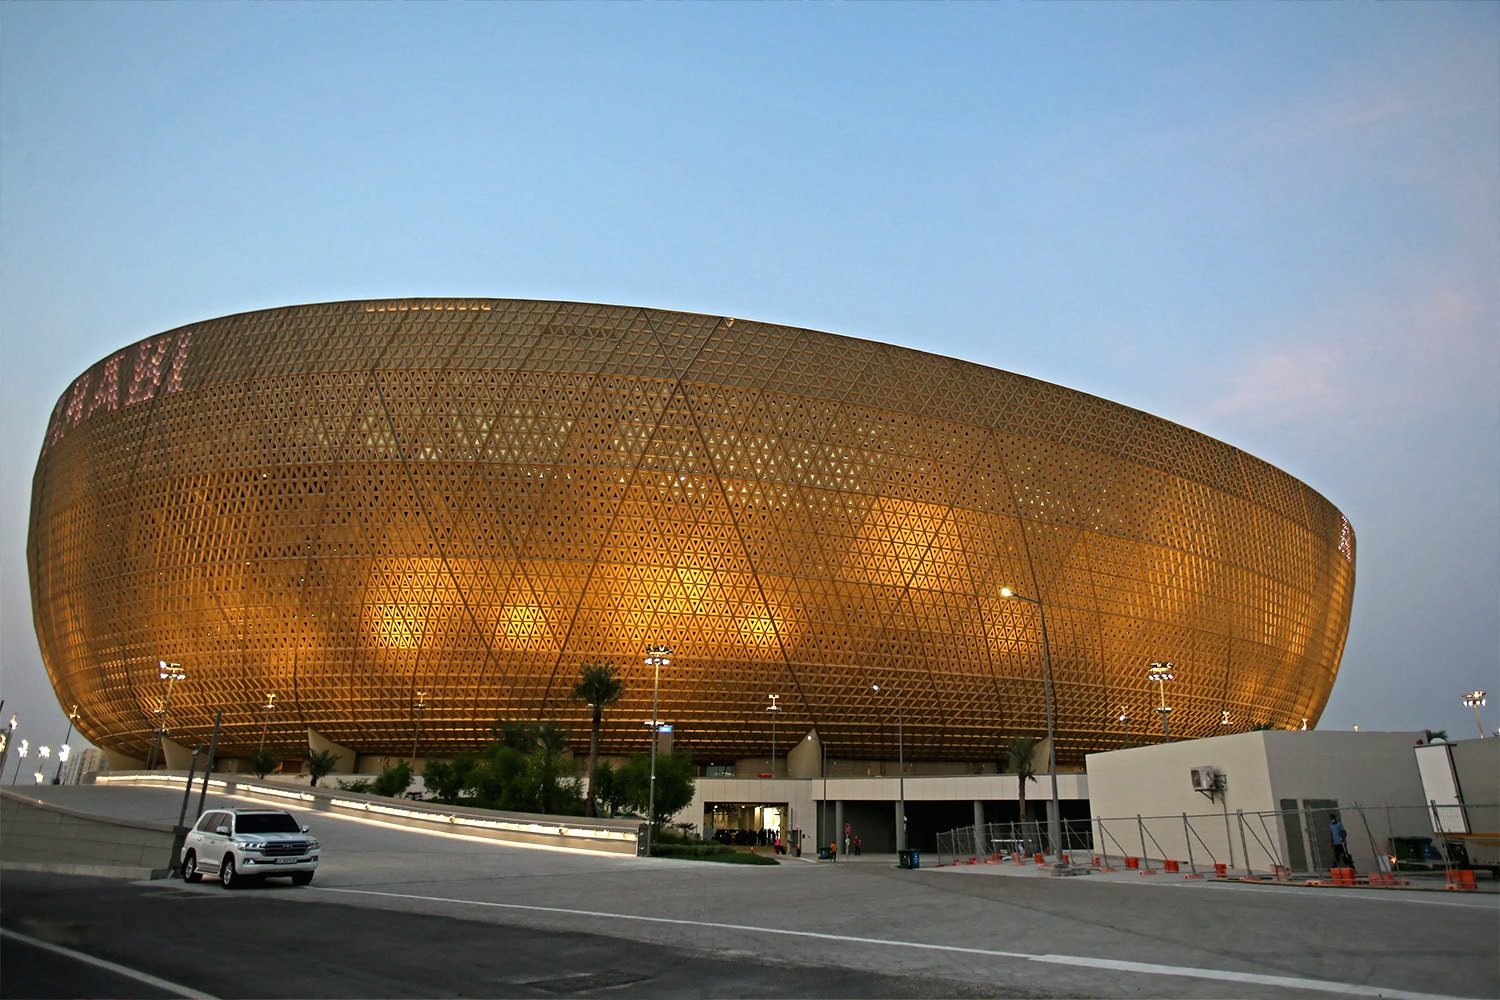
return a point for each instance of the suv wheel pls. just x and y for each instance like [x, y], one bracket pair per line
[228, 877]
[190, 872]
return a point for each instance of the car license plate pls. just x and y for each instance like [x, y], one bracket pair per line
[287, 861]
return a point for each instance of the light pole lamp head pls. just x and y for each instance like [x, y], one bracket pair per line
[421, 701]
[658, 656]
[1160, 672]
[774, 706]
[170, 671]
[270, 701]
[1474, 699]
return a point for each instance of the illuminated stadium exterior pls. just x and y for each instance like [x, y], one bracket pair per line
[352, 503]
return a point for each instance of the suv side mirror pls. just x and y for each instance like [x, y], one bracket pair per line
[306, 828]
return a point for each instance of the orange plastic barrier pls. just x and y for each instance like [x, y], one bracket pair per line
[1221, 869]
[1171, 866]
[1132, 862]
[1462, 879]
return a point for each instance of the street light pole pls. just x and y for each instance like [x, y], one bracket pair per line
[62, 751]
[657, 657]
[775, 710]
[416, 734]
[268, 708]
[1474, 699]
[1054, 823]
[1160, 673]
[900, 769]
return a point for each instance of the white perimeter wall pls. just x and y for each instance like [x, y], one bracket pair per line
[1376, 770]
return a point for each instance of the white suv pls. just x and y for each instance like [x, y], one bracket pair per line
[241, 844]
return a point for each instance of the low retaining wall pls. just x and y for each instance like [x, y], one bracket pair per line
[36, 834]
[608, 836]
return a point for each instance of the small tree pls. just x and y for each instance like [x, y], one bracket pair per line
[262, 762]
[445, 780]
[393, 781]
[598, 687]
[1019, 751]
[674, 784]
[320, 764]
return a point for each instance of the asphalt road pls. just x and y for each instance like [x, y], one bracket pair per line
[397, 913]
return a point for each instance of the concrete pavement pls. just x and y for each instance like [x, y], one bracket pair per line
[1096, 935]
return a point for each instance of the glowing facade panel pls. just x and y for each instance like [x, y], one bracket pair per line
[350, 502]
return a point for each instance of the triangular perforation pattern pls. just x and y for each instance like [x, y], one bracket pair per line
[349, 502]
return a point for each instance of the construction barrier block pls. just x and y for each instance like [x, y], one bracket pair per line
[1148, 871]
[1041, 859]
[1193, 875]
[1171, 866]
[1462, 880]
[1221, 870]
[1132, 862]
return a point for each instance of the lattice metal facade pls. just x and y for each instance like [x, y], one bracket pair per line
[349, 503]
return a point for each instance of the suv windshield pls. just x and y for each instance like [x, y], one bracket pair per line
[266, 823]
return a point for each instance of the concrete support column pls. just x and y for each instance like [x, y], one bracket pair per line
[836, 835]
[980, 849]
[900, 839]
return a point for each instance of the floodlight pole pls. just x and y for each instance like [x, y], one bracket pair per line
[171, 673]
[657, 657]
[1474, 699]
[62, 752]
[1160, 673]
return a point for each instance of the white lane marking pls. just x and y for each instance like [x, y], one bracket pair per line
[1083, 961]
[141, 977]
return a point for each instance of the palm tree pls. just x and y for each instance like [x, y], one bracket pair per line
[321, 763]
[1019, 752]
[597, 687]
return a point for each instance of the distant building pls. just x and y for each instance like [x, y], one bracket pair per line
[83, 762]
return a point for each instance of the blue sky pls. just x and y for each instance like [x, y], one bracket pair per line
[1274, 223]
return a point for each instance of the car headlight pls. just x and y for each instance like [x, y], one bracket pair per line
[313, 845]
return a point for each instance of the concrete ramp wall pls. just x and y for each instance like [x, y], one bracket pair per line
[38, 834]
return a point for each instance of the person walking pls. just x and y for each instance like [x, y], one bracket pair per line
[857, 851]
[1340, 837]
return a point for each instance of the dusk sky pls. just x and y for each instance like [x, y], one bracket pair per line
[1274, 223]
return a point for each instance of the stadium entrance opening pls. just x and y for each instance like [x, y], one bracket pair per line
[748, 824]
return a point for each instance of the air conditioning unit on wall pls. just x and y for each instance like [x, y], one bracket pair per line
[1205, 779]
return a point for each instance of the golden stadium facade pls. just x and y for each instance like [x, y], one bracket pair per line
[357, 505]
